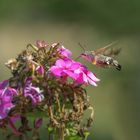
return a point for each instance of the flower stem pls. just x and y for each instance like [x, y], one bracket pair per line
[61, 133]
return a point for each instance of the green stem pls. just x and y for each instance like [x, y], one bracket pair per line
[49, 136]
[61, 133]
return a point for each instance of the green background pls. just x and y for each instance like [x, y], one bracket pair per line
[93, 23]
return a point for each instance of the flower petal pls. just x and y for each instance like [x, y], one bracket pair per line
[60, 63]
[56, 70]
[65, 52]
[92, 76]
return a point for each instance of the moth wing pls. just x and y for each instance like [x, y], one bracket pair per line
[105, 50]
[112, 52]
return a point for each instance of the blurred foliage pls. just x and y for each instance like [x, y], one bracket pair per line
[94, 23]
[114, 16]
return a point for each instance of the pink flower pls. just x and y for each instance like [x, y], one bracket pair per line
[6, 97]
[65, 52]
[75, 70]
[86, 76]
[65, 68]
[33, 92]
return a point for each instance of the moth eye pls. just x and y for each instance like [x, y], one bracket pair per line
[83, 54]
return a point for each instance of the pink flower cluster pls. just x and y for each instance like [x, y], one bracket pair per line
[69, 68]
[63, 69]
[7, 94]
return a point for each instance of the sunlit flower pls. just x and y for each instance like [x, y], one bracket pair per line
[75, 70]
[33, 92]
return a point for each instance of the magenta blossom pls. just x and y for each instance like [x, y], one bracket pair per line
[65, 52]
[6, 97]
[75, 70]
[62, 50]
[86, 76]
[33, 92]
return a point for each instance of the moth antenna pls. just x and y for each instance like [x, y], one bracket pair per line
[112, 43]
[81, 47]
[85, 46]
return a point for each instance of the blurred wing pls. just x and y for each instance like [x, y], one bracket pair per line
[107, 50]
[112, 52]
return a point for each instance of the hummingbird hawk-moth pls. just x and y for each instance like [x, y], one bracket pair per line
[103, 57]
